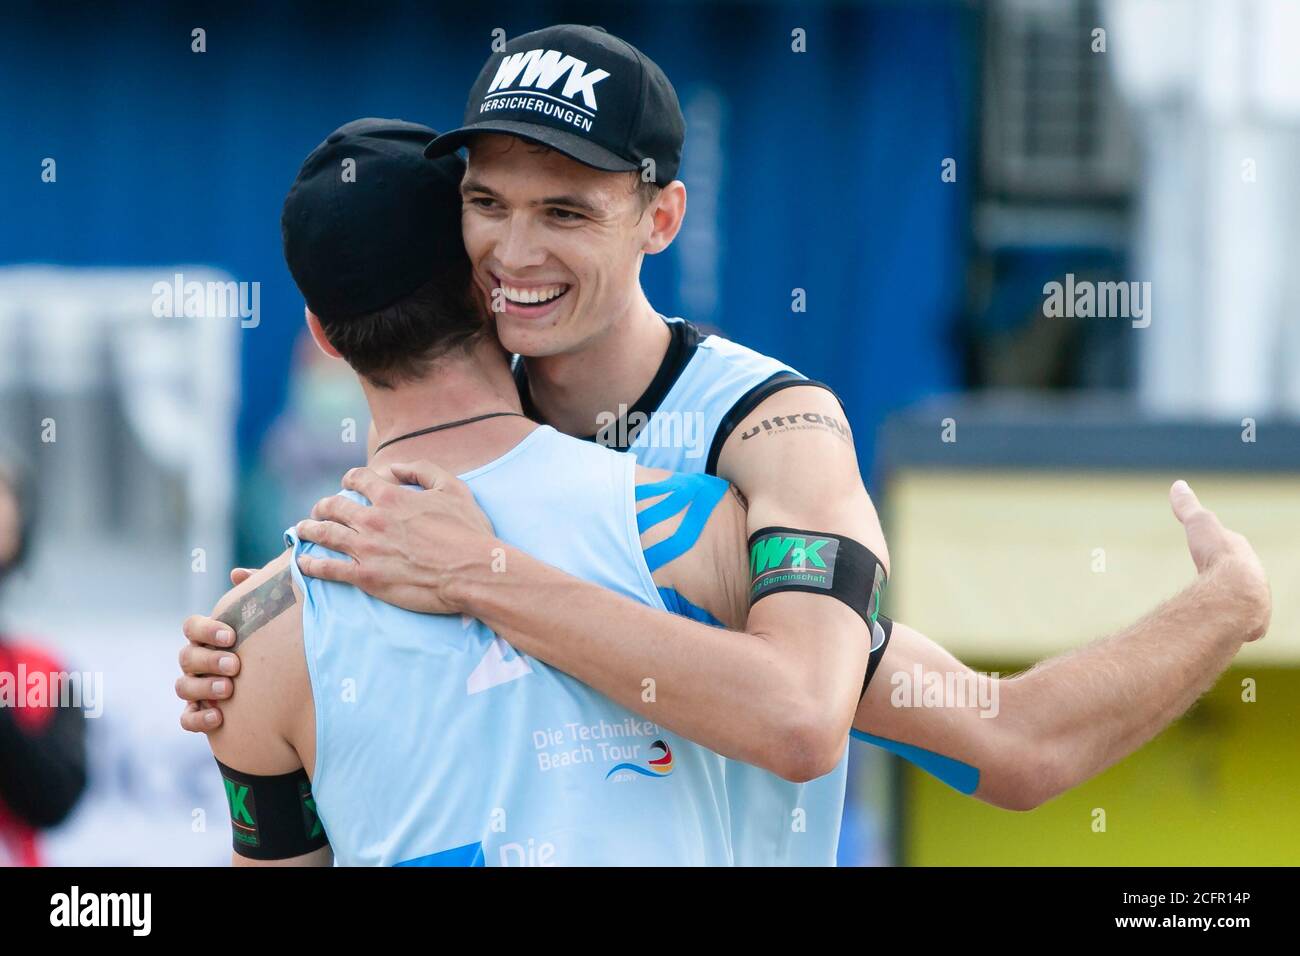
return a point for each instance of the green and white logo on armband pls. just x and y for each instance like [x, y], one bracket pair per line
[782, 560]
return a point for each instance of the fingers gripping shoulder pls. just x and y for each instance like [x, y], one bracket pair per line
[259, 601]
[272, 684]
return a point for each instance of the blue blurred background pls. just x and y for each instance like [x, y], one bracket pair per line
[816, 171]
[919, 170]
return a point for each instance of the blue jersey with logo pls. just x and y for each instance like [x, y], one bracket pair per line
[438, 744]
[773, 821]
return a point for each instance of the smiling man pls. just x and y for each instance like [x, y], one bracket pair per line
[366, 734]
[568, 211]
[574, 140]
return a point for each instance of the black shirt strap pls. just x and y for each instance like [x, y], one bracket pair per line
[684, 340]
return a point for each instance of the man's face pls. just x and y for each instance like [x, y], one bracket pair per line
[556, 246]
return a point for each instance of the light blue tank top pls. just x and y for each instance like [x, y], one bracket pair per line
[438, 744]
[773, 822]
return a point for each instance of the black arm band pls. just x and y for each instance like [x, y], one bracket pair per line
[272, 818]
[787, 559]
[881, 631]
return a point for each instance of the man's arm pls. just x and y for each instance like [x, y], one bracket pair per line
[751, 696]
[1019, 742]
[268, 729]
[794, 463]
[781, 696]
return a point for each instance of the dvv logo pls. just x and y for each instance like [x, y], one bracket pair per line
[660, 765]
[500, 664]
[541, 70]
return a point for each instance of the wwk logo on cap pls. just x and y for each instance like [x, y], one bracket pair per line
[535, 90]
[541, 70]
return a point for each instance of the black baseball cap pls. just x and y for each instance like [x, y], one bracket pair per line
[583, 92]
[360, 237]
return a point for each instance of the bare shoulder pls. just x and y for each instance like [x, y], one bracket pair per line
[801, 410]
[798, 435]
[254, 604]
[693, 536]
[669, 501]
[265, 709]
[794, 460]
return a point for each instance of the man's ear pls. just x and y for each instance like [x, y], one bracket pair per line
[666, 212]
[318, 334]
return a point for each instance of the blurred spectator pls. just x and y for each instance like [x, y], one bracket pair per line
[42, 748]
[320, 434]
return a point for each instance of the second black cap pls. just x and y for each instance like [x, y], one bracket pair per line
[361, 235]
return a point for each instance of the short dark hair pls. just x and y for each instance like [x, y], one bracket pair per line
[398, 343]
[647, 190]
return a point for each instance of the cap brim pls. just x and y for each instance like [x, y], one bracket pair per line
[570, 144]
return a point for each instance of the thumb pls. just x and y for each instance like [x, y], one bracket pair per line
[1184, 501]
[240, 575]
[423, 473]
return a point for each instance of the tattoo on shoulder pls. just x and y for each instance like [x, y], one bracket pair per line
[260, 606]
[799, 421]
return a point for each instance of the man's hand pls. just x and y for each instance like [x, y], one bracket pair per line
[407, 547]
[202, 658]
[1071, 717]
[1216, 549]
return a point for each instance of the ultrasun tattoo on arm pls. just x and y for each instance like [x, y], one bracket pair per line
[259, 606]
[799, 421]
